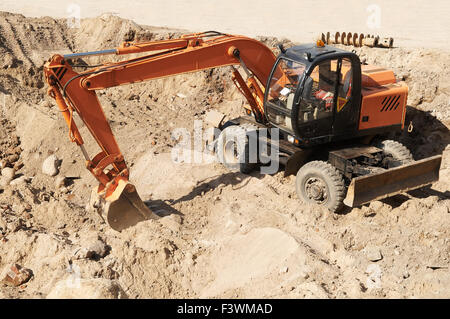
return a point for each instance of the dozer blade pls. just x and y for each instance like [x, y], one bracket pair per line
[393, 181]
[124, 208]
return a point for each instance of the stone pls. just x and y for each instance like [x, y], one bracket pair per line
[8, 173]
[20, 180]
[95, 288]
[60, 181]
[4, 182]
[373, 253]
[95, 250]
[7, 176]
[284, 270]
[50, 166]
[16, 275]
[376, 205]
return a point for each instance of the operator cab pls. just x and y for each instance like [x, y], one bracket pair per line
[314, 93]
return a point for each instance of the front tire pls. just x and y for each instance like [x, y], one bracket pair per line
[320, 183]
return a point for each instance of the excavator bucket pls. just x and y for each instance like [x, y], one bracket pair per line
[393, 181]
[124, 207]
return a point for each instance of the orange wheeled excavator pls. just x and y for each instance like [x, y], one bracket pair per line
[331, 112]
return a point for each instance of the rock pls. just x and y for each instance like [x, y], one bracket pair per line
[20, 180]
[12, 158]
[50, 166]
[373, 253]
[8, 173]
[7, 176]
[18, 165]
[284, 270]
[60, 181]
[95, 250]
[4, 182]
[98, 288]
[16, 275]
[16, 225]
[376, 205]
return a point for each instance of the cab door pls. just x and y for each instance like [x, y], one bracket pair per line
[317, 102]
[348, 96]
[282, 90]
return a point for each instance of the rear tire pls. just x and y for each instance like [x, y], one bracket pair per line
[233, 149]
[397, 151]
[321, 183]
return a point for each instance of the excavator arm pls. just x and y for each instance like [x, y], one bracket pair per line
[75, 92]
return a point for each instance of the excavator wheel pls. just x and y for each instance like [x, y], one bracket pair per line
[320, 183]
[399, 153]
[233, 149]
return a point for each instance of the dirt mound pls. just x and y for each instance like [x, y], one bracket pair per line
[222, 234]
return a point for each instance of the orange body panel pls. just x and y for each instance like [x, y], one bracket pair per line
[374, 76]
[383, 99]
[383, 105]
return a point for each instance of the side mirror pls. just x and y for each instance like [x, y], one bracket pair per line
[307, 88]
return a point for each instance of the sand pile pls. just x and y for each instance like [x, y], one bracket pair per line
[223, 234]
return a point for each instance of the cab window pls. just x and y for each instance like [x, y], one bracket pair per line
[282, 87]
[284, 83]
[318, 97]
[345, 83]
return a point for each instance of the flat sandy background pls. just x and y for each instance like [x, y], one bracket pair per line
[413, 23]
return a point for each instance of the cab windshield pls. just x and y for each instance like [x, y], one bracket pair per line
[284, 83]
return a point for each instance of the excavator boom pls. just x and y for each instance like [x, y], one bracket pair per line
[75, 92]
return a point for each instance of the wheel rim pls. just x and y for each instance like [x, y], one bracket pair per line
[316, 190]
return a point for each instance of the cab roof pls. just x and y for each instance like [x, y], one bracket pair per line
[301, 52]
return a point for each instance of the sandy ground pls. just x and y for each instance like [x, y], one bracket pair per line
[222, 234]
[414, 23]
